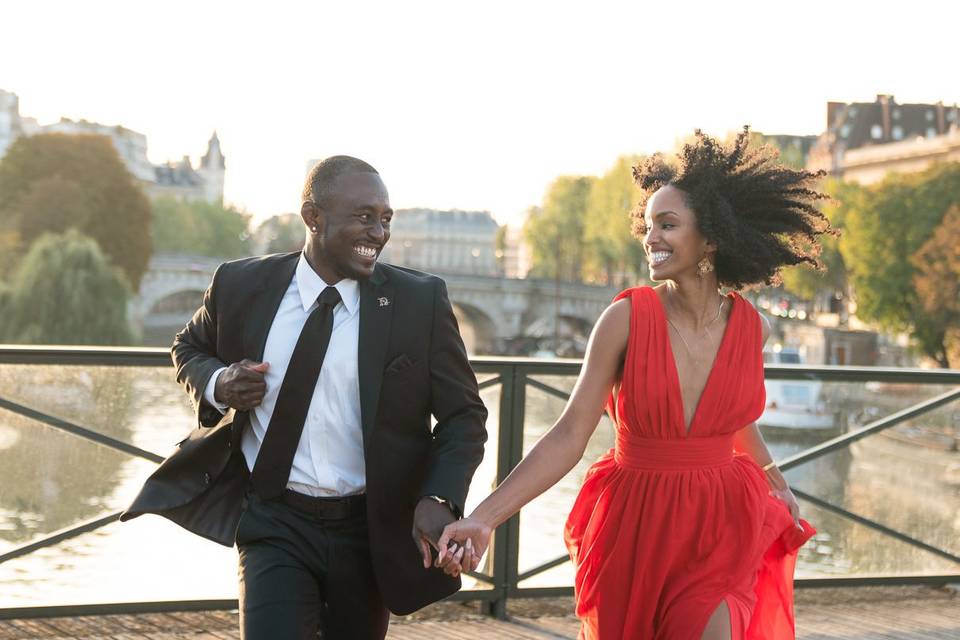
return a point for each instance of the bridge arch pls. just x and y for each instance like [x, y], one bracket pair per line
[494, 312]
[477, 328]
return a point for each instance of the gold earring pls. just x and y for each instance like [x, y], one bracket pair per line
[704, 267]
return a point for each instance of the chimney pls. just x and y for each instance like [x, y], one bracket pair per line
[833, 108]
[885, 102]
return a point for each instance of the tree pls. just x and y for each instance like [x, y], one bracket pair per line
[65, 291]
[789, 154]
[555, 231]
[805, 282]
[885, 225]
[614, 256]
[280, 234]
[53, 182]
[500, 247]
[937, 280]
[200, 228]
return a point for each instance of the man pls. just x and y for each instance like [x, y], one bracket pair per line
[314, 375]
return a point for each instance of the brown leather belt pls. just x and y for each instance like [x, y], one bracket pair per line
[326, 508]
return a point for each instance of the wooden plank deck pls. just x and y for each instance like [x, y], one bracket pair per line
[862, 613]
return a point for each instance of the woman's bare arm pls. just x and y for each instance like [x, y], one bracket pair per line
[559, 450]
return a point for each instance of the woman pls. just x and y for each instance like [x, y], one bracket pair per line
[686, 529]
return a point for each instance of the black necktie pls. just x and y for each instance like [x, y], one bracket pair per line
[272, 468]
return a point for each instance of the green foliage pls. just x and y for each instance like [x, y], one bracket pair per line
[555, 231]
[64, 291]
[280, 234]
[789, 155]
[803, 281]
[614, 256]
[200, 228]
[53, 182]
[500, 246]
[937, 280]
[585, 222]
[885, 225]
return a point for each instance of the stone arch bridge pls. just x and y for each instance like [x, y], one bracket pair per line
[493, 312]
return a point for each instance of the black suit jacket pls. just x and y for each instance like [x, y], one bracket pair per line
[412, 364]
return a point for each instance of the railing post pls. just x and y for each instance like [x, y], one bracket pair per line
[506, 540]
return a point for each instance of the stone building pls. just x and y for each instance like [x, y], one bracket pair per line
[452, 242]
[864, 141]
[176, 179]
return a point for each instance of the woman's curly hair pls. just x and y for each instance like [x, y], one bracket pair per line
[760, 213]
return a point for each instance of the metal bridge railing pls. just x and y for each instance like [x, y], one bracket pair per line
[514, 377]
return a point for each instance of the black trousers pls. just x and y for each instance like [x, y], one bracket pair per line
[301, 576]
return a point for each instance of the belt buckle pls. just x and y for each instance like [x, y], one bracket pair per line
[331, 509]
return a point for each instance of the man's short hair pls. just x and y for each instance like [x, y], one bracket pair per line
[325, 173]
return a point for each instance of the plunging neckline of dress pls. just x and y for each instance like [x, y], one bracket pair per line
[688, 428]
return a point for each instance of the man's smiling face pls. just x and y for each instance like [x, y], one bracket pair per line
[353, 225]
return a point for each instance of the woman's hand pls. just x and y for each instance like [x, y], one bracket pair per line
[462, 544]
[787, 497]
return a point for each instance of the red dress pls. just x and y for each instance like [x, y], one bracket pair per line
[669, 524]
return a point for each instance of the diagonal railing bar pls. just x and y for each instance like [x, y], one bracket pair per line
[876, 526]
[557, 393]
[546, 566]
[77, 430]
[879, 425]
[59, 536]
[490, 383]
[482, 577]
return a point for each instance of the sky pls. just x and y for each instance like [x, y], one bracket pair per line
[461, 105]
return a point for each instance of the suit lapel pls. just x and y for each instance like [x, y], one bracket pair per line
[264, 304]
[376, 311]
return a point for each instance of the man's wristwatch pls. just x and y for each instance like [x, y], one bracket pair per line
[444, 502]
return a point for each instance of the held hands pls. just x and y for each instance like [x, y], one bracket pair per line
[242, 385]
[429, 519]
[462, 544]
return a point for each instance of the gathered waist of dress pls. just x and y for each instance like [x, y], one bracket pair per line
[659, 454]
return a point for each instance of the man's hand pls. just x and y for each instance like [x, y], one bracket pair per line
[429, 519]
[242, 386]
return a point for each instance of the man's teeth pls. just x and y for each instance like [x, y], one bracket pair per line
[366, 252]
[659, 256]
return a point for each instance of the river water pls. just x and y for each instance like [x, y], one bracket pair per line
[907, 478]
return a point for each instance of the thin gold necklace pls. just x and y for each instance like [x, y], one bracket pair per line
[705, 328]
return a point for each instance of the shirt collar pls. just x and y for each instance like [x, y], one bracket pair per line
[311, 285]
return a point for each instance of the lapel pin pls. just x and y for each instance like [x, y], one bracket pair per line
[384, 302]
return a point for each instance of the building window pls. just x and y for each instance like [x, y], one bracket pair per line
[897, 132]
[876, 132]
[845, 131]
[896, 114]
[929, 115]
[931, 132]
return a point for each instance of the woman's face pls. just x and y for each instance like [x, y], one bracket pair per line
[673, 243]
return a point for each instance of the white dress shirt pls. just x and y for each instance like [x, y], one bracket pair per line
[329, 457]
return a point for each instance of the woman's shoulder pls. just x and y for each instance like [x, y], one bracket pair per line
[629, 307]
[751, 314]
[637, 293]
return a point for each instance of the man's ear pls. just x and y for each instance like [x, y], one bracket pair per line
[312, 217]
